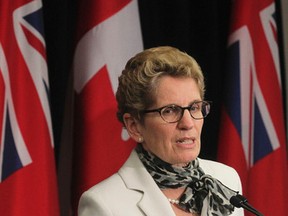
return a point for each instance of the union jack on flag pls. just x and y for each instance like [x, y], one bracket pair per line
[252, 134]
[250, 113]
[27, 164]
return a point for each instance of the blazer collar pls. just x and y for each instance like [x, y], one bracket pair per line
[136, 177]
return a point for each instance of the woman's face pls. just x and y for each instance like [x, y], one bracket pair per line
[176, 143]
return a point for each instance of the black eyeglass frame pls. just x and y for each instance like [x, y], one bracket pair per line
[159, 110]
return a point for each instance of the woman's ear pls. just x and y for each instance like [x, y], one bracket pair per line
[132, 125]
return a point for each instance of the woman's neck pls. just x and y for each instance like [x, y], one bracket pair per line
[174, 194]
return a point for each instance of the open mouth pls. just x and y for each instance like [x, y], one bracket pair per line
[186, 141]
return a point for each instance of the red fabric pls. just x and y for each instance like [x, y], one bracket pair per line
[92, 13]
[263, 170]
[99, 149]
[28, 183]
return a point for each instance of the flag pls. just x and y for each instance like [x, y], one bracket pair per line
[108, 35]
[252, 132]
[27, 166]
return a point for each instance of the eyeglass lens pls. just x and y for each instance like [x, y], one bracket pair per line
[174, 113]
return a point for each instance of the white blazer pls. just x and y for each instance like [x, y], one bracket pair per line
[132, 191]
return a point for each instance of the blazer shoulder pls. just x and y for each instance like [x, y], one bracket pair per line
[109, 197]
[112, 184]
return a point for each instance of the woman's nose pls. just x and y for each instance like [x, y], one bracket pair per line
[187, 121]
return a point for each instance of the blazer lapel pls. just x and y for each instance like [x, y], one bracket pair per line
[152, 202]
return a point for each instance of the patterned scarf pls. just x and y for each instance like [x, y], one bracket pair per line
[197, 184]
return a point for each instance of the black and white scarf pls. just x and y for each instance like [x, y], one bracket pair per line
[197, 184]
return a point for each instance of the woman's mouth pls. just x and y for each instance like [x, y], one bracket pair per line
[186, 141]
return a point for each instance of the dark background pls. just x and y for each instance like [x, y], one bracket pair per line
[200, 28]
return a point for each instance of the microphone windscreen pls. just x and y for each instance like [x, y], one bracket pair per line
[235, 201]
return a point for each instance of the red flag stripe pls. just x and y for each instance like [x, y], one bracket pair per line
[108, 38]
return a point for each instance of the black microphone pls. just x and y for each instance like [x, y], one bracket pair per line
[240, 201]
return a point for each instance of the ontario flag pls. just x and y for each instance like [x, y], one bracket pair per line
[252, 134]
[108, 35]
[27, 166]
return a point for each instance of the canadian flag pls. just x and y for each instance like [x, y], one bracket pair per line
[109, 34]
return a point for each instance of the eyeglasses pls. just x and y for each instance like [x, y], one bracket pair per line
[174, 113]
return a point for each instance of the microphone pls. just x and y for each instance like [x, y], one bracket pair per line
[240, 201]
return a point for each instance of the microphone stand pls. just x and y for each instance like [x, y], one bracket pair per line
[240, 201]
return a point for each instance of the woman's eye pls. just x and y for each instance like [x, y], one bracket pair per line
[169, 110]
[195, 107]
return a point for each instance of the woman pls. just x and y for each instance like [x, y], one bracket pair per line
[161, 104]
